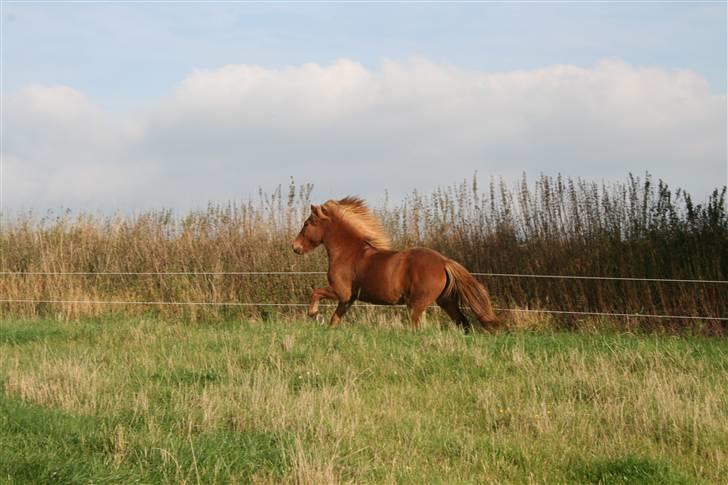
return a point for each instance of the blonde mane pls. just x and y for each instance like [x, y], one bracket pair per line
[354, 212]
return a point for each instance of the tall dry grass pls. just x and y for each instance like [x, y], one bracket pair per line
[553, 225]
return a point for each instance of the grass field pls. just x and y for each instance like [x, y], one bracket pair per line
[134, 400]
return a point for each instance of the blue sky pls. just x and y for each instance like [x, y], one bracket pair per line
[130, 66]
[142, 50]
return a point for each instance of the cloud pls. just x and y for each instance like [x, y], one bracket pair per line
[410, 124]
[60, 149]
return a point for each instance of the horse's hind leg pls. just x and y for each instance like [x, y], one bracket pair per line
[416, 309]
[453, 310]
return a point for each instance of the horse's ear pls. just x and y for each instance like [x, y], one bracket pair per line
[319, 211]
[316, 211]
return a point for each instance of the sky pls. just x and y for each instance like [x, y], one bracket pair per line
[128, 106]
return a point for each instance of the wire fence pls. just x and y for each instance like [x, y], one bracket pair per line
[361, 305]
[320, 273]
[297, 273]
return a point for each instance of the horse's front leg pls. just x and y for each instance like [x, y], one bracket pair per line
[341, 309]
[326, 292]
[346, 299]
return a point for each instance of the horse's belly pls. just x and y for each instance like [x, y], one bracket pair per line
[382, 280]
[380, 296]
[382, 291]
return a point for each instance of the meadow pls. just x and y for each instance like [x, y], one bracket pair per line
[118, 399]
[167, 392]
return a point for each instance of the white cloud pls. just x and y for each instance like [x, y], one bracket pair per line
[60, 149]
[414, 124]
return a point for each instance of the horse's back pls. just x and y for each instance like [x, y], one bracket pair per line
[425, 257]
[410, 261]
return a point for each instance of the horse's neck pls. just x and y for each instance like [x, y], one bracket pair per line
[344, 250]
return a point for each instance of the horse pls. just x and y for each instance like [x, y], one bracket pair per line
[363, 266]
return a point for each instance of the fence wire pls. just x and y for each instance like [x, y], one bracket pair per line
[321, 273]
[298, 273]
[364, 305]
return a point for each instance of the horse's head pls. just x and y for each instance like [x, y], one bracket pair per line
[312, 232]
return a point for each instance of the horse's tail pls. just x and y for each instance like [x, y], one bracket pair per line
[462, 285]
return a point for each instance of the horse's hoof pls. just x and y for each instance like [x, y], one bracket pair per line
[313, 315]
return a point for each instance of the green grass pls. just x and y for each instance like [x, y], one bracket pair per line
[119, 400]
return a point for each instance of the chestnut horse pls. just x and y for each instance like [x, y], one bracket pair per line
[362, 266]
